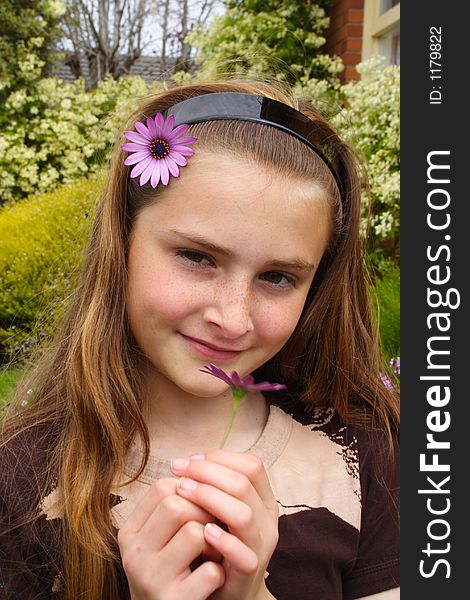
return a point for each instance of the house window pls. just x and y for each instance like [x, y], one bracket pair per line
[395, 50]
[381, 33]
[389, 46]
[387, 5]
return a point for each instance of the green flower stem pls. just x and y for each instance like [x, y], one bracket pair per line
[238, 395]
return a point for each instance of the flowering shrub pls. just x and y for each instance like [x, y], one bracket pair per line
[279, 39]
[41, 241]
[394, 364]
[56, 131]
[371, 121]
[29, 32]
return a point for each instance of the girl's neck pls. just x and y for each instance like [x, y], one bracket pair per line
[181, 424]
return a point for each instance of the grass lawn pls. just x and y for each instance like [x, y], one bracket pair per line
[8, 379]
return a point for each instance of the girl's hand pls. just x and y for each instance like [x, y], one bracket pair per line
[235, 488]
[159, 542]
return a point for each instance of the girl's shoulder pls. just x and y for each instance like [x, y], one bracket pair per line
[336, 484]
[369, 439]
[361, 425]
[330, 454]
[366, 448]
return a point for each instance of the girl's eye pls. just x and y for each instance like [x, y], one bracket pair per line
[195, 257]
[278, 279]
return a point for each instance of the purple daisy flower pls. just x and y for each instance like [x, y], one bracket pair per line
[241, 383]
[239, 386]
[157, 149]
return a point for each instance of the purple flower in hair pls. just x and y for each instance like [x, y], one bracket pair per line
[158, 149]
[239, 386]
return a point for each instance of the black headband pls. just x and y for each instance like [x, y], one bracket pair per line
[258, 109]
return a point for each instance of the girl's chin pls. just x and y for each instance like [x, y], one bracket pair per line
[201, 385]
[206, 391]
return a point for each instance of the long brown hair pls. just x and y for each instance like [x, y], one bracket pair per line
[87, 387]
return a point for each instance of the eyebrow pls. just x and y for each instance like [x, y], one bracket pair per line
[296, 263]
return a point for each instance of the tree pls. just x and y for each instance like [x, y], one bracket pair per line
[28, 34]
[111, 35]
[188, 16]
[281, 38]
[106, 33]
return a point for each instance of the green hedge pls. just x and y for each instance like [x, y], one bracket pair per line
[8, 381]
[387, 290]
[55, 132]
[41, 243]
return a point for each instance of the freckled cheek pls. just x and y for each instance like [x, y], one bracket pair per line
[275, 326]
[163, 297]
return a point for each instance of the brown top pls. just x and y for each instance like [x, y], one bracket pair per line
[339, 536]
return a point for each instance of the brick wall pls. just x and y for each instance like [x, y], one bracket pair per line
[344, 36]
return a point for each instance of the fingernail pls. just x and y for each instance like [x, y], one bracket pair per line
[179, 464]
[187, 484]
[197, 457]
[212, 531]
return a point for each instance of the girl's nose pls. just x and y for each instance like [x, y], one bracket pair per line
[231, 312]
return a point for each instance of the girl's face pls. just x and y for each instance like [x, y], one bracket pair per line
[220, 267]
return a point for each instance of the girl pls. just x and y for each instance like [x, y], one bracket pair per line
[234, 242]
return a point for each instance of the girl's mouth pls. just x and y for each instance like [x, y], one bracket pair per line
[209, 350]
